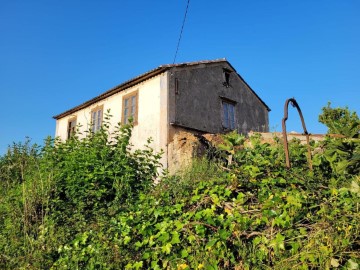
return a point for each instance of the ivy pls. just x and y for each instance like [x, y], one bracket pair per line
[92, 204]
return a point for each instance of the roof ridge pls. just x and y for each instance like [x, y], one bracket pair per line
[195, 62]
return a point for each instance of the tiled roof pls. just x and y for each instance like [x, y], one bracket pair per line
[139, 79]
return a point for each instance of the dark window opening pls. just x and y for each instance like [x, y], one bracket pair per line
[71, 128]
[226, 74]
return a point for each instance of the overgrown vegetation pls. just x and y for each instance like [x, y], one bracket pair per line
[92, 204]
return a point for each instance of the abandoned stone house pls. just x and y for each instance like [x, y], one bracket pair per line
[196, 97]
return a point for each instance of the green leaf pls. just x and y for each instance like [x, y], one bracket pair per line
[211, 243]
[146, 255]
[184, 253]
[138, 265]
[215, 199]
[127, 240]
[191, 238]
[278, 242]
[256, 240]
[167, 248]
[355, 188]
[351, 265]
[164, 237]
[155, 266]
[175, 238]
[224, 234]
[178, 225]
[138, 244]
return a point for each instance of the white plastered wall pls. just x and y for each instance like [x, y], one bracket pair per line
[152, 114]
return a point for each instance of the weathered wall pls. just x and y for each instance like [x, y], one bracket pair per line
[195, 100]
[187, 145]
[152, 114]
[269, 137]
[183, 148]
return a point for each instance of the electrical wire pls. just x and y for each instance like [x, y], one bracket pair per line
[182, 29]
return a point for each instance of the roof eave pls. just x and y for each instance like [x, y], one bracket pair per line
[266, 106]
[114, 91]
[144, 77]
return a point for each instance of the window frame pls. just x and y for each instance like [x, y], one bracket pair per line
[94, 125]
[71, 129]
[124, 117]
[228, 122]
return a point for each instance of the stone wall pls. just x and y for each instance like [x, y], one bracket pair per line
[187, 145]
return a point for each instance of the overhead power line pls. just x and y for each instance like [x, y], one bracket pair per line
[182, 29]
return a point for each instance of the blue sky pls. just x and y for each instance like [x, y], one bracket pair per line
[55, 55]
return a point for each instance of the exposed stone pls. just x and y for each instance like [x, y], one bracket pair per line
[187, 145]
[182, 149]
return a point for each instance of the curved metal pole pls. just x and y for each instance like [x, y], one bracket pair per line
[286, 145]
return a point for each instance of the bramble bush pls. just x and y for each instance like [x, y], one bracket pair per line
[96, 207]
[55, 194]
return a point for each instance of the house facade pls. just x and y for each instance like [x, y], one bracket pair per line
[198, 97]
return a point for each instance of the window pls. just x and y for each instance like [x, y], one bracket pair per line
[130, 108]
[228, 114]
[71, 127]
[226, 74]
[96, 118]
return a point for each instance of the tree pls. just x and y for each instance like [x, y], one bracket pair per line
[340, 121]
[343, 154]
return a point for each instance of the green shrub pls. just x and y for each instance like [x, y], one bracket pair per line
[53, 196]
[92, 204]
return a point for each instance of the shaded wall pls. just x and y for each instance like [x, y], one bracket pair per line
[195, 99]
